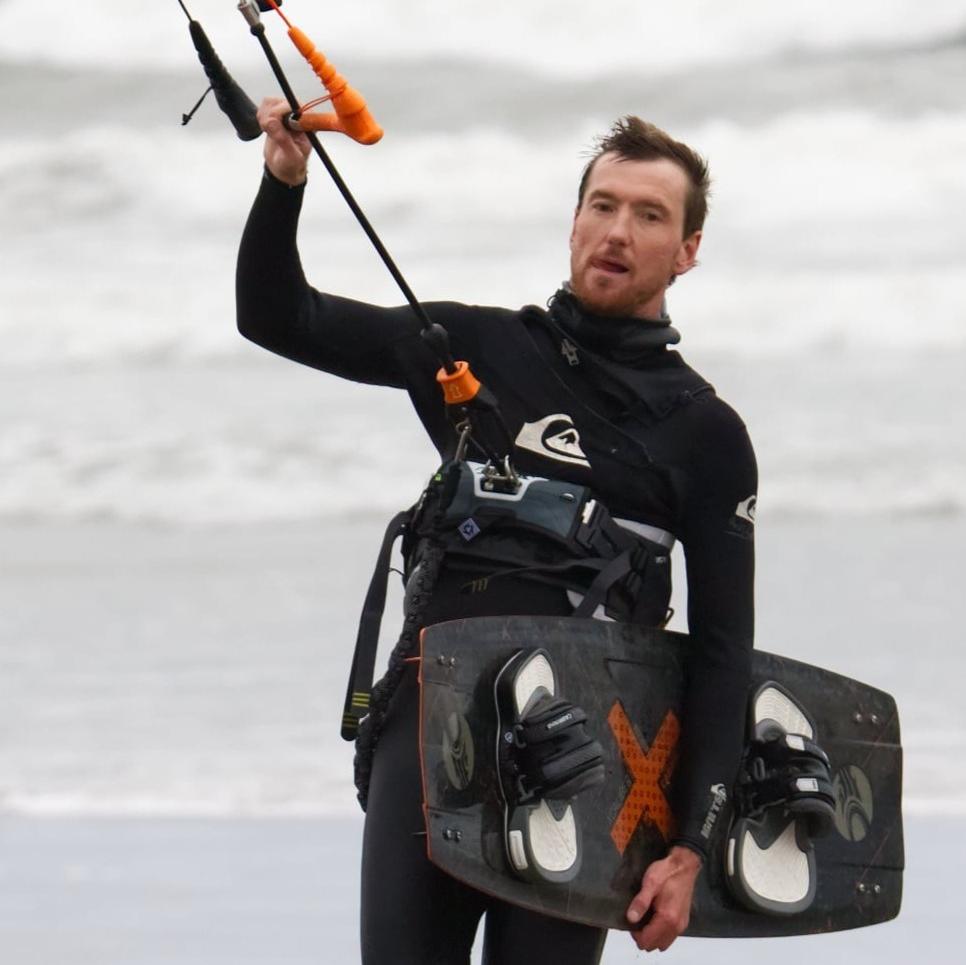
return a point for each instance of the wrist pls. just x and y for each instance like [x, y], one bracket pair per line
[290, 180]
[685, 859]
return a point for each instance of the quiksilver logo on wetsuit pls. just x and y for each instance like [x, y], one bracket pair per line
[746, 509]
[554, 436]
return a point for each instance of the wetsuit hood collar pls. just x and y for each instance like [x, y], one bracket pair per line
[619, 338]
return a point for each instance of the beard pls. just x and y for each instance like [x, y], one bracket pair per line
[616, 300]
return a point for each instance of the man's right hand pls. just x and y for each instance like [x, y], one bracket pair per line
[286, 152]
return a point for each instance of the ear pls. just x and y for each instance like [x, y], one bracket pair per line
[687, 255]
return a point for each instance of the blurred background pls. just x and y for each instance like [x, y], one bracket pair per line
[187, 523]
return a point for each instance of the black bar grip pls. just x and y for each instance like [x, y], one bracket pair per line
[231, 98]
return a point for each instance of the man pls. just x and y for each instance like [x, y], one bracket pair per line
[603, 402]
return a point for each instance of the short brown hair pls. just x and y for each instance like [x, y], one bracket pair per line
[632, 139]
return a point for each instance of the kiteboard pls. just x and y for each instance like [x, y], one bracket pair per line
[764, 876]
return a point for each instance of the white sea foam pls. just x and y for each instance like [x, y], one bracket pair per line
[315, 782]
[127, 239]
[589, 39]
[830, 278]
[263, 442]
[308, 792]
[831, 282]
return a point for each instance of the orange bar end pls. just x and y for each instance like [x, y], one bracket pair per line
[460, 386]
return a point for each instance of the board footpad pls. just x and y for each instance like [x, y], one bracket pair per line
[542, 837]
[769, 858]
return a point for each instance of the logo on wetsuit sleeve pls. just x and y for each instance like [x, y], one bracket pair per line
[746, 509]
[555, 437]
[743, 522]
[719, 797]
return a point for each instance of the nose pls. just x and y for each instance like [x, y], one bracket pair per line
[619, 227]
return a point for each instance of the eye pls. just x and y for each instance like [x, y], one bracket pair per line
[602, 206]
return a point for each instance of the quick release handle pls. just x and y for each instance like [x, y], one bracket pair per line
[231, 98]
[351, 115]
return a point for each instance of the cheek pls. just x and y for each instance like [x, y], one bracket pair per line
[584, 238]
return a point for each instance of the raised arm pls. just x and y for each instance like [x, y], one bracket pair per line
[279, 310]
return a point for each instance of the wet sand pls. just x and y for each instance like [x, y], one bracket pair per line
[285, 892]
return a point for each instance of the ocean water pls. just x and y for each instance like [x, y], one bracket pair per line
[827, 308]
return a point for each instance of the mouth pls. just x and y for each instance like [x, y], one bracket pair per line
[609, 266]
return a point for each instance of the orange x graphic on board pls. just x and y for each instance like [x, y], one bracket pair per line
[645, 798]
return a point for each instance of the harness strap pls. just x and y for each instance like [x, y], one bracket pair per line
[654, 533]
[363, 669]
[612, 573]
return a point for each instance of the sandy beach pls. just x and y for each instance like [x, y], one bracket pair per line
[285, 892]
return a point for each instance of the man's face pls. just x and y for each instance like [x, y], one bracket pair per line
[626, 242]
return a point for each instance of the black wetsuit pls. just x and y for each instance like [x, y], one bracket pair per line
[677, 459]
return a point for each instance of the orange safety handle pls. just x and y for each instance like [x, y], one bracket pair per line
[351, 114]
[458, 387]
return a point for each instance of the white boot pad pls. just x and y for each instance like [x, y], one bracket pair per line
[770, 862]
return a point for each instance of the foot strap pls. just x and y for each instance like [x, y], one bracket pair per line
[545, 757]
[783, 800]
[791, 772]
[554, 756]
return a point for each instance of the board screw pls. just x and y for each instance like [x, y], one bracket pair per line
[857, 717]
[452, 834]
[860, 887]
[877, 889]
[874, 718]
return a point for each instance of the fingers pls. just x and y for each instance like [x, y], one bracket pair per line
[660, 932]
[270, 113]
[285, 151]
[666, 892]
[641, 902]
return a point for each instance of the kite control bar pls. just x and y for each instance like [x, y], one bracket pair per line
[351, 116]
[473, 409]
